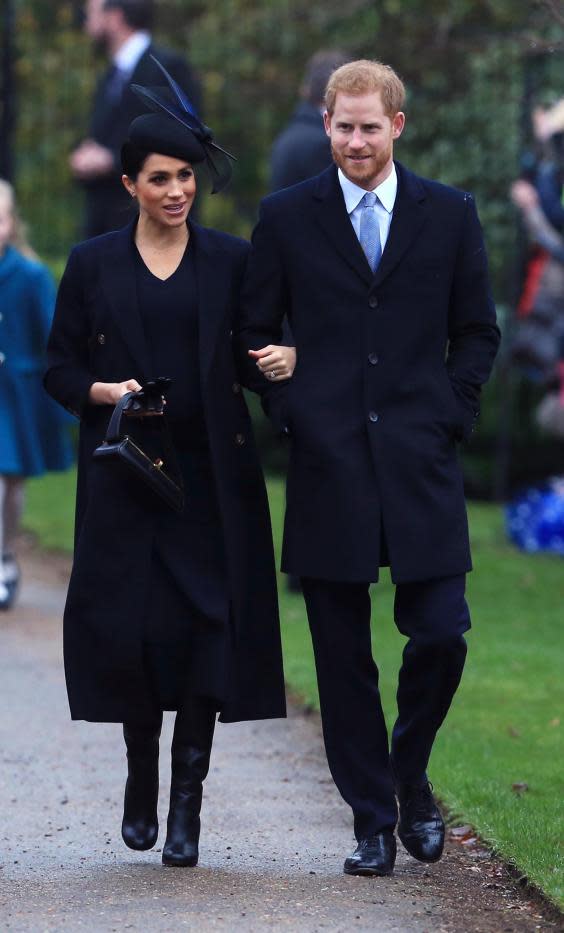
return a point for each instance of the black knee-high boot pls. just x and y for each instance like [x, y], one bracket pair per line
[140, 826]
[191, 748]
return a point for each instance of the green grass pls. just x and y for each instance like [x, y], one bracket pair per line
[49, 510]
[506, 723]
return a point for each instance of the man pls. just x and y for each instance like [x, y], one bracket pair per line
[302, 148]
[384, 280]
[121, 29]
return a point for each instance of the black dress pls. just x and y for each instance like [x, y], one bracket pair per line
[186, 626]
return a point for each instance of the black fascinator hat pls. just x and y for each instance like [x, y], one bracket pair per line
[174, 129]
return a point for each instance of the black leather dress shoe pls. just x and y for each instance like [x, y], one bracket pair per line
[421, 827]
[375, 855]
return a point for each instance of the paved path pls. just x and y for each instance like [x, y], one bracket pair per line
[275, 832]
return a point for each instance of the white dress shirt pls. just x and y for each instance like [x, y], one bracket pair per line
[384, 207]
[128, 55]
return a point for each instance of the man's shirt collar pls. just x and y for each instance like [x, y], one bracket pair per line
[386, 191]
[128, 55]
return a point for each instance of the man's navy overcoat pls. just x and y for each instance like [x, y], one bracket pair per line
[97, 335]
[388, 375]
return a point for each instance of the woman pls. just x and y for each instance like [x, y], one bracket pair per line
[166, 611]
[33, 437]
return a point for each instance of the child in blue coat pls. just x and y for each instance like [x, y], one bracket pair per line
[33, 438]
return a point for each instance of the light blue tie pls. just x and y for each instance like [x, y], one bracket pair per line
[370, 230]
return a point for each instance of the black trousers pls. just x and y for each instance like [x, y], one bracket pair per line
[433, 615]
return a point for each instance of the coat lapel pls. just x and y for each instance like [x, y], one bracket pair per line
[332, 217]
[120, 289]
[407, 221]
[214, 282]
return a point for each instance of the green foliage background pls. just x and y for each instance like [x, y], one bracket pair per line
[473, 69]
[465, 63]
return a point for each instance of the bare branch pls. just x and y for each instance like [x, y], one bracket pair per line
[555, 8]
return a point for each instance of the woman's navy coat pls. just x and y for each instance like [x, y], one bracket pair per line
[97, 335]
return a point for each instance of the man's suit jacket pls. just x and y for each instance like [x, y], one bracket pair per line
[301, 150]
[108, 206]
[388, 375]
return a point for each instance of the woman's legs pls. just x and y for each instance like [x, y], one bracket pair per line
[140, 826]
[191, 749]
[11, 508]
[3, 588]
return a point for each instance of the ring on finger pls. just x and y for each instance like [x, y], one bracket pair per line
[272, 374]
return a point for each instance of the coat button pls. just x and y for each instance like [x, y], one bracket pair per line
[239, 439]
[373, 416]
[373, 358]
[236, 388]
[101, 339]
[2, 358]
[373, 301]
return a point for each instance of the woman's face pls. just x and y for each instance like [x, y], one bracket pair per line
[6, 224]
[165, 189]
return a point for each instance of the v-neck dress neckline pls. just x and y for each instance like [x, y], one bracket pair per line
[172, 274]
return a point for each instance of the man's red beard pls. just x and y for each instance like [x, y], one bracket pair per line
[372, 168]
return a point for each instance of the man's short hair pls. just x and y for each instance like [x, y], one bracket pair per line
[138, 14]
[366, 77]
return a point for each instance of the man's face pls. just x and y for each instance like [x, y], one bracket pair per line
[362, 137]
[95, 22]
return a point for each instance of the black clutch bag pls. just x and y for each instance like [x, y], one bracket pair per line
[119, 448]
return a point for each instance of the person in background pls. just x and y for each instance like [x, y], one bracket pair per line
[526, 197]
[33, 438]
[548, 126]
[539, 336]
[121, 28]
[302, 149]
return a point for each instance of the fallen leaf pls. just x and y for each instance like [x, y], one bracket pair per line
[513, 732]
[520, 787]
[554, 722]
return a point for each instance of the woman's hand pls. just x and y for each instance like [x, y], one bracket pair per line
[275, 363]
[109, 393]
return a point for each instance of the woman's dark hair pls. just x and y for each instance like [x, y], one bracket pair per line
[133, 159]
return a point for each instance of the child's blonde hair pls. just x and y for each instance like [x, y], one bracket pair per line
[18, 239]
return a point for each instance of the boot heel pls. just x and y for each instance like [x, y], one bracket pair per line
[183, 834]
